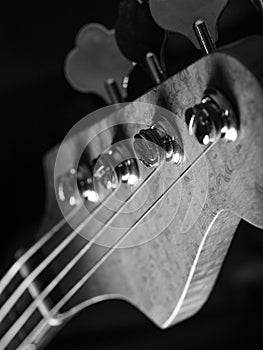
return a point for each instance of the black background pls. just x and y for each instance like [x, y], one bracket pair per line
[37, 109]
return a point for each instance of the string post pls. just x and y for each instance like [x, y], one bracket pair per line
[158, 144]
[117, 165]
[213, 118]
[67, 189]
[86, 184]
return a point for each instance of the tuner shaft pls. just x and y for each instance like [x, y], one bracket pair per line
[204, 38]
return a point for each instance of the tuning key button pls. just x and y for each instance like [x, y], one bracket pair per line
[155, 145]
[214, 117]
[97, 65]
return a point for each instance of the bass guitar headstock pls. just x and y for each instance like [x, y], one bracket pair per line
[194, 150]
[144, 196]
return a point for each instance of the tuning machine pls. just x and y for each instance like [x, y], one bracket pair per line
[116, 165]
[158, 144]
[97, 65]
[140, 39]
[196, 19]
[213, 118]
[77, 184]
[113, 167]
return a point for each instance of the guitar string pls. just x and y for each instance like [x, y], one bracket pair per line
[42, 324]
[9, 303]
[10, 274]
[28, 312]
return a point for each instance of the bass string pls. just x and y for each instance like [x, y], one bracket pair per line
[31, 251]
[33, 306]
[42, 324]
[10, 302]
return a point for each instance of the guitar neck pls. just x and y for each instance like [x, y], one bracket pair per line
[35, 288]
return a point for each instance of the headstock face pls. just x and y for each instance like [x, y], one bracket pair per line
[169, 275]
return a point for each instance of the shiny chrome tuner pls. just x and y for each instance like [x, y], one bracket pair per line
[86, 184]
[158, 144]
[66, 187]
[214, 117]
[117, 165]
[77, 184]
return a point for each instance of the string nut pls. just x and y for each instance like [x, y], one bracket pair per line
[214, 117]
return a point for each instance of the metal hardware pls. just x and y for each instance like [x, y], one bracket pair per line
[155, 145]
[113, 91]
[180, 16]
[115, 166]
[67, 190]
[214, 117]
[154, 67]
[86, 184]
[204, 38]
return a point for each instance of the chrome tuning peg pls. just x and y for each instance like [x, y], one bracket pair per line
[140, 39]
[158, 144]
[97, 65]
[85, 183]
[117, 165]
[77, 184]
[196, 19]
[213, 118]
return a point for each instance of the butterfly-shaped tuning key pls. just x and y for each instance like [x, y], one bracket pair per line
[97, 65]
[196, 19]
[140, 39]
